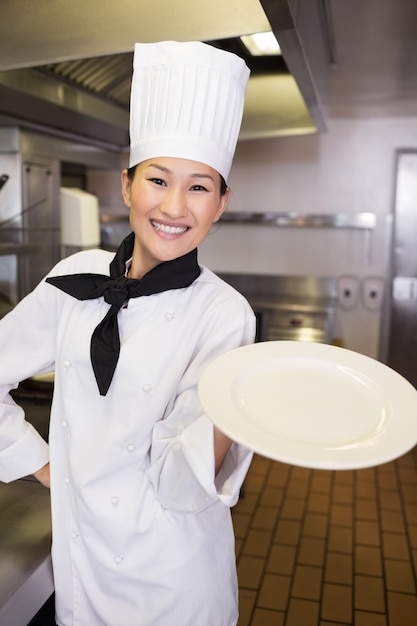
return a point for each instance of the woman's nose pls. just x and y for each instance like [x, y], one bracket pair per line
[174, 204]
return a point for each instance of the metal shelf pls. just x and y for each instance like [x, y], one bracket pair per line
[360, 221]
[7, 249]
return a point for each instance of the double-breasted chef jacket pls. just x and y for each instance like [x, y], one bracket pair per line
[142, 532]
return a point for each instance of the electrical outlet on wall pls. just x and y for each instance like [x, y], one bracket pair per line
[372, 292]
[347, 291]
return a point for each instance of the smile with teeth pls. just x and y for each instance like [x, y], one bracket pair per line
[169, 230]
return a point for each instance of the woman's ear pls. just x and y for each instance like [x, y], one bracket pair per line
[224, 200]
[126, 184]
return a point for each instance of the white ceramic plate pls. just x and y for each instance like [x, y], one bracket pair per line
[311, 404]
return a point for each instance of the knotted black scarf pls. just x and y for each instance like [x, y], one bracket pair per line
[116, 290]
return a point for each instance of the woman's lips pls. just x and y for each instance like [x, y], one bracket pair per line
[168, 229]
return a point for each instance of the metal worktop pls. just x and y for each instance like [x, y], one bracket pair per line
[25, 541]
[25, 531]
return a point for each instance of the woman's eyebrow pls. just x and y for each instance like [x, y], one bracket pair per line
[201, 175]
[166, 170]
[160, 167]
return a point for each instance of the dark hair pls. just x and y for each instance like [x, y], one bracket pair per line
[223, 184]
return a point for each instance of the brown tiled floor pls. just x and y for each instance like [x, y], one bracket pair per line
[322, 548]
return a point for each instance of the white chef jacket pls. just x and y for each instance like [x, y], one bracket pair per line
[142, 532]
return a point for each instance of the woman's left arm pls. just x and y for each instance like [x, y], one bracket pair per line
[192, 462]
[221, 448]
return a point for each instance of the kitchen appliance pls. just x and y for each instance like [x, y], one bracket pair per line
[401, 308]
[294, 308]
[29, 222]
[80, 220]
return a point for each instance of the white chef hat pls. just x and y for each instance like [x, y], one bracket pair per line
[187, 102]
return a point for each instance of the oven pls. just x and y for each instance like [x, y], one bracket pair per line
[296, 308]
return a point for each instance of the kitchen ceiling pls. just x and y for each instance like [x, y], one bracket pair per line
[67, 66]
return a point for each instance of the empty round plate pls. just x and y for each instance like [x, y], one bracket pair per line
[311, 404]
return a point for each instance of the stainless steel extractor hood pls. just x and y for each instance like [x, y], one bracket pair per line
[49, 81]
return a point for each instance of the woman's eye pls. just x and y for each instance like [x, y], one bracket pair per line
[157, 181]
[198, 188]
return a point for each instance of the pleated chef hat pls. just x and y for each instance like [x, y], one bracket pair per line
[187, 102]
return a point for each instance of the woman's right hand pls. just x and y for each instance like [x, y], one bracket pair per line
[43, 475]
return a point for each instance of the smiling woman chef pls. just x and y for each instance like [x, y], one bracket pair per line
[141, 481]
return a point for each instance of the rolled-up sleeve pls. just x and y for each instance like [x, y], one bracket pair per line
[182, 453]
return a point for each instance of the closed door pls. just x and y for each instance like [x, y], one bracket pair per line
[402, 344]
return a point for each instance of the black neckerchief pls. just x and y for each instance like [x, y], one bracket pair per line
[117, 290]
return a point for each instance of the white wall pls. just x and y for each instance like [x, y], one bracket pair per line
[106, 185]
[350, 169]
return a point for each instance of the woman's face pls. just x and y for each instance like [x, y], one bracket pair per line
[173, 203]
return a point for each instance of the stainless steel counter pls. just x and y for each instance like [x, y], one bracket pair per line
[25, 533]
[25, 541]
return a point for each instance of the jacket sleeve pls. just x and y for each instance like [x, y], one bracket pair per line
[27, 347]
[182, 453]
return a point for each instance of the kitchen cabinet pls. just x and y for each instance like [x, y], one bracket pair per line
[40, 220]
[30, 181]
[29, 216]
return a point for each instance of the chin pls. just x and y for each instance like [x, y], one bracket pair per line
[173, 253]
